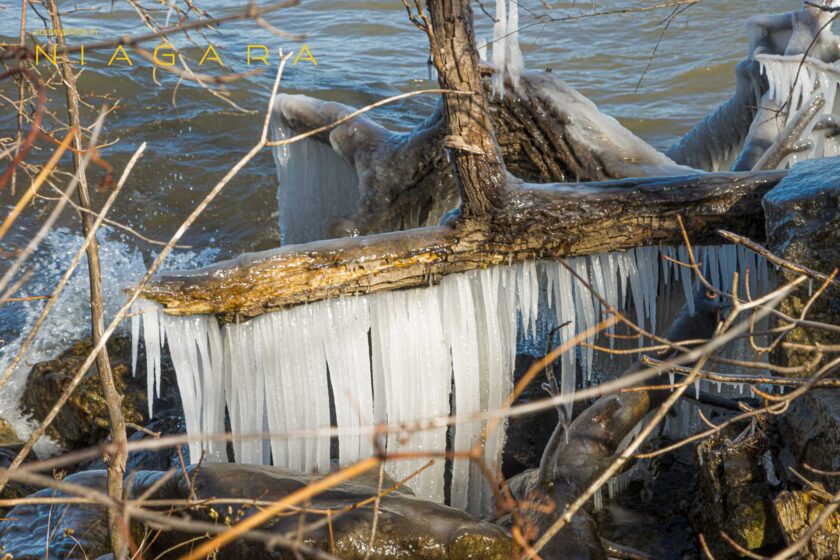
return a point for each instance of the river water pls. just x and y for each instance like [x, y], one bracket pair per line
[657, 75]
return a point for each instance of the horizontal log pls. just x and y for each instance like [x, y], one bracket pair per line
[533, 221]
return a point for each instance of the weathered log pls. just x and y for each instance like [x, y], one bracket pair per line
[533, 221]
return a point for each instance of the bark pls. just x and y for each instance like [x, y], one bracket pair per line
[471, 140]
[532, 221]
[116, 461]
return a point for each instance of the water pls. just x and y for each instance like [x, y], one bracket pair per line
[366, 50]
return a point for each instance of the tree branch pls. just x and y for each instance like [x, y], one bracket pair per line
[533, 221]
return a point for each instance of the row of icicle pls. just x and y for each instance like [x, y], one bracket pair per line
[395, 357]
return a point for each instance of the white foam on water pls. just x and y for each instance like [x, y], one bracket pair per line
[69, 321]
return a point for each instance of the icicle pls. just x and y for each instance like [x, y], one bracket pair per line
[565, 309]
[459, 328]
[598, 500]
[697, 390]
[499, 48]
[345, 346]
[730, 267]
[599, 283]
[527, 290]
[585, 312]
[513, 56]
[135, 339]
[410, 321]
[482, 48]
[712, 265]
[247, 392]
[648, 263]
[154, 339]
[612, 286]
[671, 379]
[686, 277]
[635, 279]
[197, 356]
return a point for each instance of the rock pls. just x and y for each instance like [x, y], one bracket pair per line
[153, 459]
[651, 515]
[83, 421]
[407, 527]
[8, 435]
[74, 531]
[802, 216]
[796, 511]
[734, 494]
[13, 489]
[811, 430]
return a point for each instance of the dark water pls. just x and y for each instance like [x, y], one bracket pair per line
[657, 78]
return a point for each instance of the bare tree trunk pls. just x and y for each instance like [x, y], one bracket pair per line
[475, 154]
[117, 461]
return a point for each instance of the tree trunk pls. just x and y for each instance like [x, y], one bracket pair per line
[474, 152]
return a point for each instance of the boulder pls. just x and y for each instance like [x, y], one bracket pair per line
[8, 435]
[796, 512]
[735, 494]
[73, 530]
[161, 459]
[407, 527]
[13, 489]
[811, 430]
[802, 217]
[83, 421]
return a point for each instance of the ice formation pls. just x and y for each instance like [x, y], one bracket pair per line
[398, 357]
[793, 81]
[320, 183]
[506, 53]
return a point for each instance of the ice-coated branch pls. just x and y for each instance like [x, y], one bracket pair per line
[790, 140]
[532, 221]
